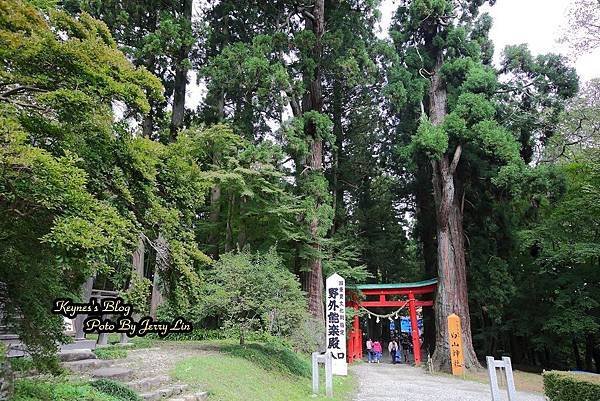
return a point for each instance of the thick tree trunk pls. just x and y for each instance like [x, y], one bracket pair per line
[229, 224]
[338, 132]
[148, 123]
[576, 354]
[426, 230]
[315, 273]
[148, 120]
[181, 71]
[313, 102]
[161, 264]
[86, 293]
[137, 258]
[589, 352]
[213, 218]
[596, 356]
[241, 236]
[452, 271]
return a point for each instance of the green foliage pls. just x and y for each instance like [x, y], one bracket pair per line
[23, 364]
[431, 139]
[343, 257]
[295, 132]
[564, 386]
[60, 78]
[137, 294]
[114, 352]
[57, 390]
[116, 390]
[271, 357]
[197, 334]
[536, 89]
[566, 246]
[254, 292]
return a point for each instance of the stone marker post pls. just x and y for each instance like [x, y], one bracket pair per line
[325, 359]
[505, 364]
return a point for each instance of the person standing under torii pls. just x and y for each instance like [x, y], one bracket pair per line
[370, 350]
[393, 349]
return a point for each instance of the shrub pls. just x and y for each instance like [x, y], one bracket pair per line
[307, 337]
[199, 334]
[48, 365]
[116, 389]
[36, 390]
[254, 292]
[565, 386]
[23, 364]
[116, 352]
[271, 357]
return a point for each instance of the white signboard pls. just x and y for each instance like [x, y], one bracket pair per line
[335, 322]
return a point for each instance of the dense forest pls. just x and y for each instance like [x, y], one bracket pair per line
[236, 148]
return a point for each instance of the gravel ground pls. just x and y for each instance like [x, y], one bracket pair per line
[387, 382]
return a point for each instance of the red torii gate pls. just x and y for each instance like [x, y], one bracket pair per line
[381, 291]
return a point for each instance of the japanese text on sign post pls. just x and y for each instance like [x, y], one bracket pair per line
[335, 323]
[455, 339]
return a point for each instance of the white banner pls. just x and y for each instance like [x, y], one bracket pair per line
[335, 323]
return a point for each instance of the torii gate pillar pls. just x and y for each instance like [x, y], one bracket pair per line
[355, 337]
[414, 328]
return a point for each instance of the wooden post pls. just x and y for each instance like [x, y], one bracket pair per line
[456, 349]
[414, 326]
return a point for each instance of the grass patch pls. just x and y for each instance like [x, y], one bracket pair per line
[115, 352]
[229, 377]
[142, 342]
[116, 389]
[271, 357]
[55, 390]
[524, 381]
[115, 338]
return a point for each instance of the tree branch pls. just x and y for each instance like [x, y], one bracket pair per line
[22, 88]
[22, 104]
[455, 160]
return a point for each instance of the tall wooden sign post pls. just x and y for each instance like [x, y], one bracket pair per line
[455, 340]
[335, 323]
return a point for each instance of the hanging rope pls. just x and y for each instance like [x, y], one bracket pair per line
[388, 316]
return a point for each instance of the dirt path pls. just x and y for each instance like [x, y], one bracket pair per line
[160, 359]
[387, 382]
